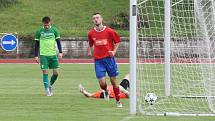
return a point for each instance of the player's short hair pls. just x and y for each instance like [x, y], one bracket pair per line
[96, 13]
[46, 19]
[125, 84]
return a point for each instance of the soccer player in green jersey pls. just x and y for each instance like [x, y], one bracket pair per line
[46, 38]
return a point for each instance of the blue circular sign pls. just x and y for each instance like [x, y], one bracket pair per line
[9, 42]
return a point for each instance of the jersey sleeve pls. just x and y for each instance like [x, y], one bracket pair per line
[90, 40]
[57, 33]
[37, 35]
[115, 36]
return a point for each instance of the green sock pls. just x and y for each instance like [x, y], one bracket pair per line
[53, 79]
[45, 81]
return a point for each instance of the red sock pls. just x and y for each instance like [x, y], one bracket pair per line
[117, 93]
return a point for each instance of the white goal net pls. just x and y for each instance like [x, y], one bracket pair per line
[190, 87]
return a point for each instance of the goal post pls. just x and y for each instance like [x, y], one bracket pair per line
[132, 54]
[172, 54]
[167, 39]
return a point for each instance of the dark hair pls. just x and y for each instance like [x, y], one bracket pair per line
[96, 13]
[46, 19]
[125, 84]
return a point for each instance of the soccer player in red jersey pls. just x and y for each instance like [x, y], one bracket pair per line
[105, 42]
[124, 93]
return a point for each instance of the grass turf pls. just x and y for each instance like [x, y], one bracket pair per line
[22, 97]
[72, 17]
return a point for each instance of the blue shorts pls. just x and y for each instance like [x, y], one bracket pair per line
[106, 65]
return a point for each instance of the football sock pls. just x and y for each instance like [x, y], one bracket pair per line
[45, 81]
[53, 79]
[117, 93]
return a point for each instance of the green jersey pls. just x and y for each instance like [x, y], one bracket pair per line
[47, 39]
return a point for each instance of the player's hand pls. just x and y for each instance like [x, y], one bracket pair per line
[89, 54]
[36, 59]
[112, 53]
[60, 56]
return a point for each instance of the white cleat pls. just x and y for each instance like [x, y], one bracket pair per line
[48, 93]
[51, 90]
[118, 104]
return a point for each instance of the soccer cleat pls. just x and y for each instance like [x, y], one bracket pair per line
[81, 88]
[51, 90]
[48, 93]
[118, 104]
[106, 95]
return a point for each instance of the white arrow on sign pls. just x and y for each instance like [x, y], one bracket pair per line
[12, 42]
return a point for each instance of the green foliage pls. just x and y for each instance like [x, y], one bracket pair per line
[72, 17]
[120, 21]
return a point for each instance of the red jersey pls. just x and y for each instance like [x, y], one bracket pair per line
[103, 41]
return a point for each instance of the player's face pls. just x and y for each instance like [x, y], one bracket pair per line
[97, 19]
[46, 25]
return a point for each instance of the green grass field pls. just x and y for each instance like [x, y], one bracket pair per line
[22, 97]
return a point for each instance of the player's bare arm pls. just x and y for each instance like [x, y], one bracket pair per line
[89, 51]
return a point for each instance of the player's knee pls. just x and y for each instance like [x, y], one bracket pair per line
[45, 71]
[56, 74]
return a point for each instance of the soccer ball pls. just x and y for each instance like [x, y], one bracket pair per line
[150, 98]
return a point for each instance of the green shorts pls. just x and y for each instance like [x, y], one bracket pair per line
[49, 62]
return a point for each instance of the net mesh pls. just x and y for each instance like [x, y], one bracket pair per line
[192, 56]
